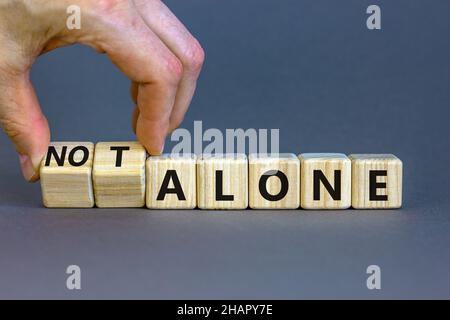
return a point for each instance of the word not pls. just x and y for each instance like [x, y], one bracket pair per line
[120, 174]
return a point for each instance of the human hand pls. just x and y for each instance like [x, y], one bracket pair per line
[142, 37]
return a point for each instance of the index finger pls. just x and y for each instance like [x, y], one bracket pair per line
[146, 60]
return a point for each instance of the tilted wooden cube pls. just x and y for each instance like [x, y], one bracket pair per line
[222, 181]
[376, 181]
[325, 181]
[274, 181]
[66, 175]
[119, 174]
[171, 181]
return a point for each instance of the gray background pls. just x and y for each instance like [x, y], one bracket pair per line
[310, 68]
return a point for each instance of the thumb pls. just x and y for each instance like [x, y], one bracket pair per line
[22, 119]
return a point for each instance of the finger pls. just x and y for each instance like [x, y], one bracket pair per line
[134, 91]
[22, 119]
[146, 60]
[187, 49]
[134, 118]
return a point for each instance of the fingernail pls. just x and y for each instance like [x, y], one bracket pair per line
[28, 170]
[162, 148]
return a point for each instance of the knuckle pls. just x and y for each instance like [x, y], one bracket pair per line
[173, 71]
[194, 56]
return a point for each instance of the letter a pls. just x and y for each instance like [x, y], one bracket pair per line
[74, 280]
[74, 19]
[374, 280]
[374, 20]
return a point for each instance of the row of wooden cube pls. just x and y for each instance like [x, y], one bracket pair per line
[119, 174]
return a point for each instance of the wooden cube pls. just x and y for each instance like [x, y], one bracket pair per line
[66, 175]
[376, 181]
[119, 174]
[274, 181]
[171, 182]
[222, 181]
[325, 181]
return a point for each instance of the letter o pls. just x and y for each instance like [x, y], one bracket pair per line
[263, 185]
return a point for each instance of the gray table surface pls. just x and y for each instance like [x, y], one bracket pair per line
[310, 68]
